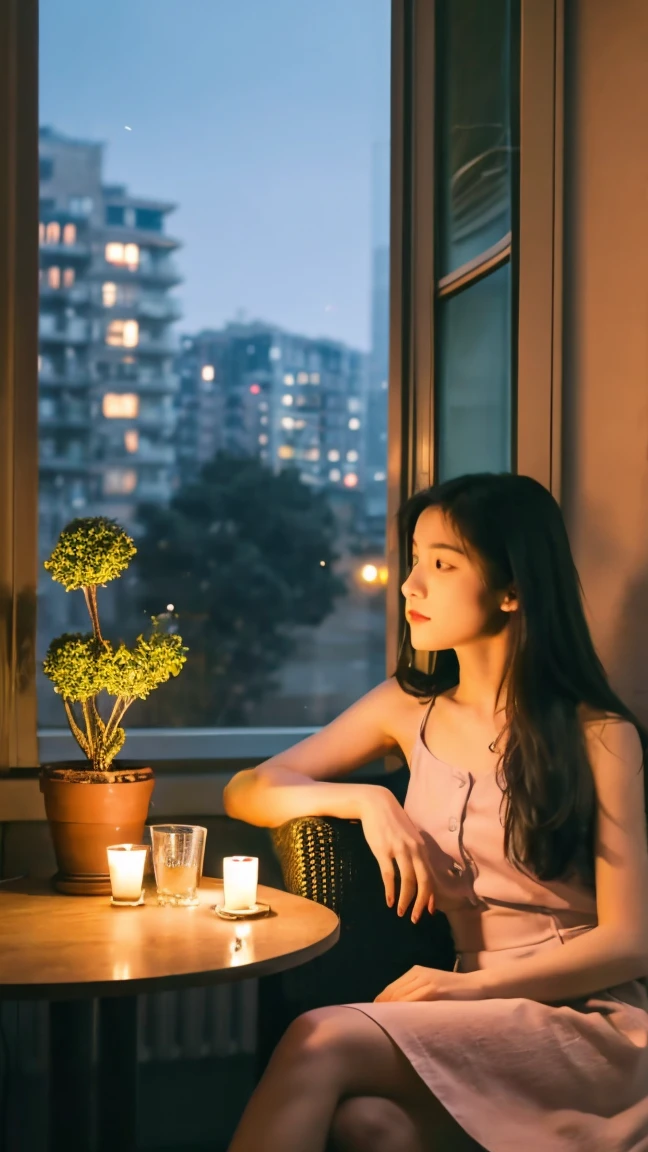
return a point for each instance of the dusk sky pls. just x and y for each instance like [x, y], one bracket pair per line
[258, 118]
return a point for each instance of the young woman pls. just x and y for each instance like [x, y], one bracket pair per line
[525, 822]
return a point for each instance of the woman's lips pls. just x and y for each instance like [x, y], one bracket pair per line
[416, 617]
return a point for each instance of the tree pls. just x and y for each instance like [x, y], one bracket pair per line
[89, 553]
[245, 556]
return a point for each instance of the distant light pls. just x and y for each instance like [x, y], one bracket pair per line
[287, 399]
[322, 563]
[335, 474]
[354, 423]
[208, 372]
[255, 389]
[170, 607]
[352, 456]
[350, 480]
[263, 439]
[369, 573]
[383, 573]
[128, 129]
[287, 422]
[289, 379]
[333, 455]
[380, 476]
[275, 353]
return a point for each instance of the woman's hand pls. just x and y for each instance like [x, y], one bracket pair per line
[390, 834]
[430, 984]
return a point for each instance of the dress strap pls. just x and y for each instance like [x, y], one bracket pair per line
[427, 713]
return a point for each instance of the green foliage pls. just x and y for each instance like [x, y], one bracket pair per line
[90, 551]
[249, 555]
[77, 665]
[136, 672]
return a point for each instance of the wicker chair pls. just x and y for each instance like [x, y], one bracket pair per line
[328, 860]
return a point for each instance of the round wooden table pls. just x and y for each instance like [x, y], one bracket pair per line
[71, 950]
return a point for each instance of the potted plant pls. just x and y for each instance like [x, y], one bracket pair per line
[90, 806]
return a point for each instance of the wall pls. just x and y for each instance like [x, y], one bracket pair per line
[605, 419]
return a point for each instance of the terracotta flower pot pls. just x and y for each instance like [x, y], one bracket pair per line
[88, 811]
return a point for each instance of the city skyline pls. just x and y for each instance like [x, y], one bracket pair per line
[275, 195]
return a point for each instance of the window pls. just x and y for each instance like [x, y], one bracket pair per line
[123, 333]
[119, 481]
[240, 327]
[45, 168]
[54, 277]
[128, 254]
[68, 277]
[477, 117]
[121, 405]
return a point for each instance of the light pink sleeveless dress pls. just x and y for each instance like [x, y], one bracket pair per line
[516, 1074]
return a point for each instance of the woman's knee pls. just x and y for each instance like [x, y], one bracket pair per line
[373, 1124]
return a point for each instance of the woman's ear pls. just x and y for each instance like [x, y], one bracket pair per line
[509, 602]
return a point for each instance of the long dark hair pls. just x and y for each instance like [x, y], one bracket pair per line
[516, 528]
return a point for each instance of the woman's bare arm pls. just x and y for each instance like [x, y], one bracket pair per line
[303, 780]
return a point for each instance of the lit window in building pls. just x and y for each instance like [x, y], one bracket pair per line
[119, 481]
[315, 378]
[263, 439]
[123, 333]
[117, 253]
[275, 353]
[68, 277]
[109, 294]
[41, 233]
[334, 474]
[285, 452]
[287, 400]
[131, 440]
[121, 405]
[312, 454]
[53, 233]
[54, 277]
[350, 480]
[287, 422]
[333, 455]
[255, 389]
[302, 377]
[263, 405]
[380, 475]
[299, 424]
[354, 423]
[289, 379]
[69, 234]
[354, 404]
[352, 456]
[207, 372]
[263, 420]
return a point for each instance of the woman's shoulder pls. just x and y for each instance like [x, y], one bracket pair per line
[607, 734]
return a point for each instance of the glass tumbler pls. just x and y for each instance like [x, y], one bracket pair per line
[178, 853]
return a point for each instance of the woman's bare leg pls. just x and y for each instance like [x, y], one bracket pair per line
[325, 1057]
[376, 1124]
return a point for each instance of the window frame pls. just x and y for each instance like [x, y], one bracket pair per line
[411, 396]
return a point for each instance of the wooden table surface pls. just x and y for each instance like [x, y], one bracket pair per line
[59, 947]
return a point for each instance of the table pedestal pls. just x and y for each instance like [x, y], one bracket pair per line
[93, 1075]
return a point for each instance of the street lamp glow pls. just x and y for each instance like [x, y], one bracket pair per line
[369, 573]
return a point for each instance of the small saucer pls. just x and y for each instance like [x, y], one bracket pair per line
[241, 913]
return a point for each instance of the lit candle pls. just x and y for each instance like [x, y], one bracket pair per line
[126, 866]
[240, 875]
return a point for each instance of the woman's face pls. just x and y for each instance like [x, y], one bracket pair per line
[448, 604]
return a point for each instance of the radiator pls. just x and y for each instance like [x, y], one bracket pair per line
[189, 1025]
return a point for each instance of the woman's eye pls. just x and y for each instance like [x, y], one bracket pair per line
[442, 566]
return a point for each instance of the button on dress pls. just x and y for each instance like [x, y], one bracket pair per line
[516, 1073]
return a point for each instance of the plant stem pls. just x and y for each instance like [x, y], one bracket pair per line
[122, 704]
[87, 716]
[90, 593]
[76, 731]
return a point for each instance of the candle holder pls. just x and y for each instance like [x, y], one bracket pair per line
[126, 866]
[240, 878]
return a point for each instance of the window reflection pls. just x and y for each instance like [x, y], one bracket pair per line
[474, 393]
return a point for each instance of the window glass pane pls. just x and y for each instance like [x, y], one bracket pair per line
[474, 389]
[476, 76]
[213, 341]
